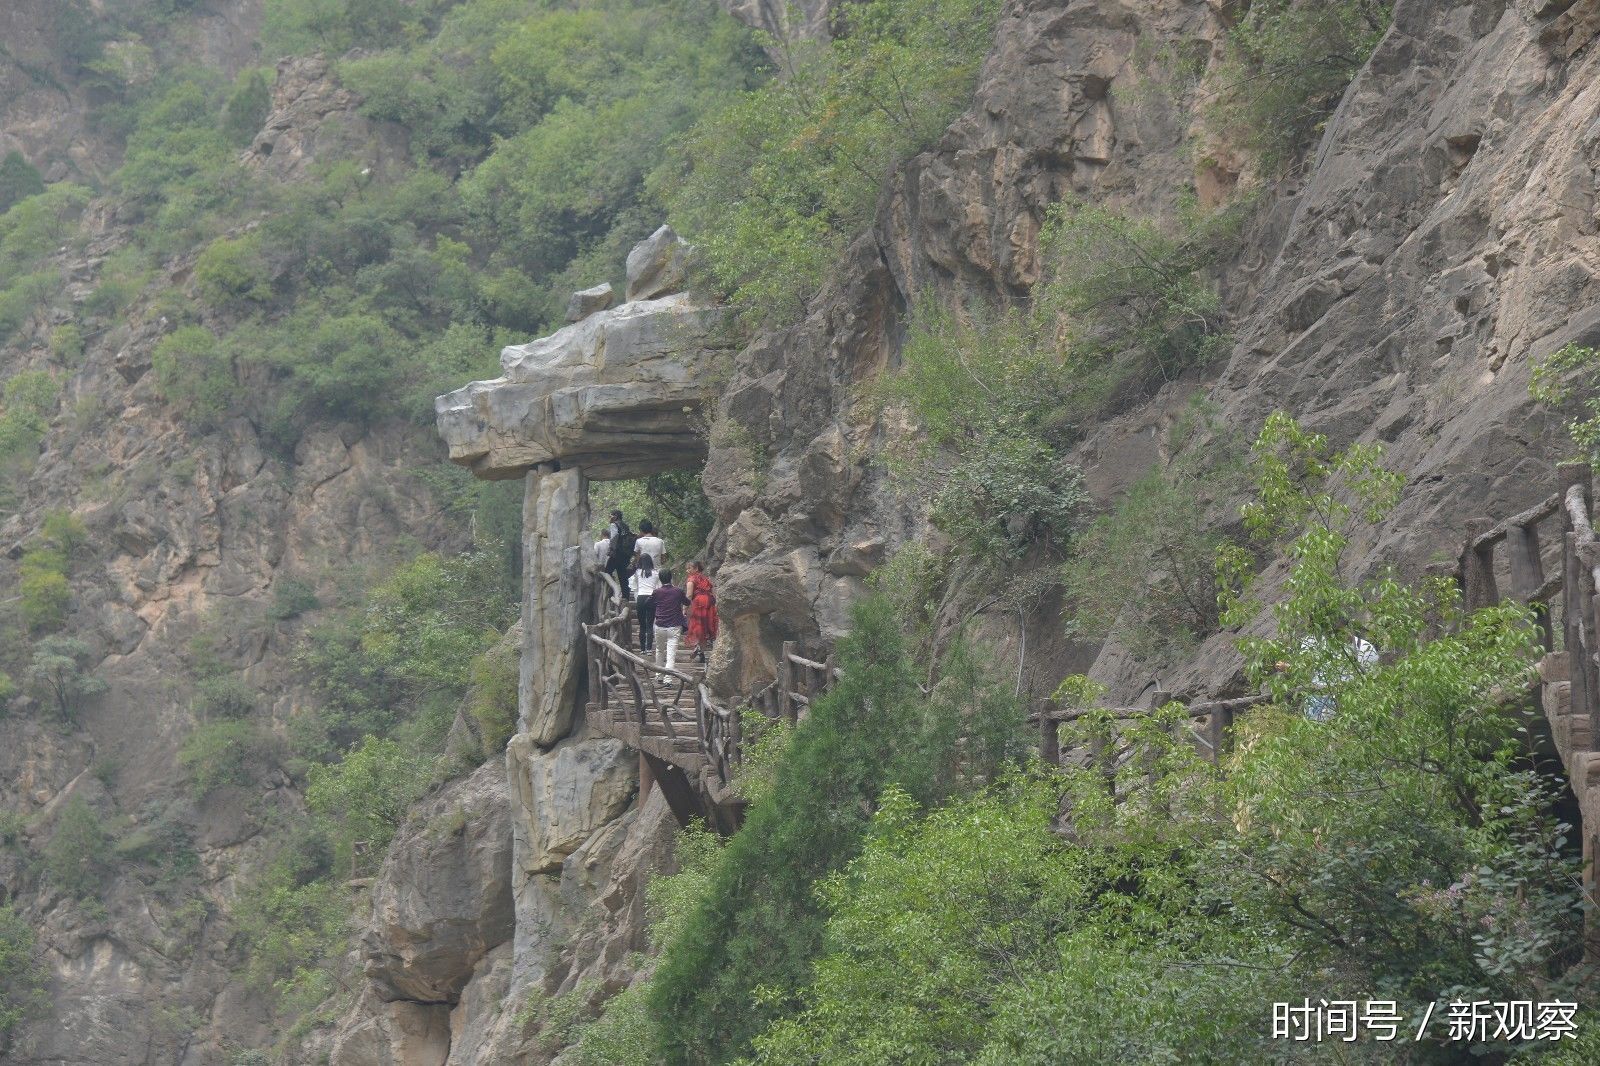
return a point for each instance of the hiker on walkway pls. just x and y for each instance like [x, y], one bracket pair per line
[602, 550]
[621, 558]
[1340, 664]
[702, 595]
[643, 585]
[668, 603]
[650, 544]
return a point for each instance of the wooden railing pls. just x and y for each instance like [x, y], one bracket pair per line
[673, 714]
[670, 713]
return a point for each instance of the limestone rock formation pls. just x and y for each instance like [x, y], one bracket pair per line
[586, 302]
[443, 898]
[570, 791]
[658, 265]
[617, 394]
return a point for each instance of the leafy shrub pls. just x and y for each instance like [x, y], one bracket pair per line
[67, 344]
[22, 977]
[363, 798]
[493, 698]
[774, 185]
[1135, 293]
[333, 26]
[1143, 572]
[758, 924]
[75, 857]
[58, 675]
[1285, 68]
[247, 107]
[232, 273]
[44, 592]
[292, 598]
[293, 914]
[229, 751]
[18, 180]
[194, 372]
[1574, 370]
[224, 696]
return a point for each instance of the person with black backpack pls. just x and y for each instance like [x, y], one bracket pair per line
[622, 541]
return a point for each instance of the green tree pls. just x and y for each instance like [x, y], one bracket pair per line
[1573, 371]
[774, 185]
[229, 751]
[195, 373]
[231, 272]
[77, 855]
[22, 977]
[363, 798]
[1285, 68]
[18, 180]
[247, 107]
[758, 924]
[58, 675]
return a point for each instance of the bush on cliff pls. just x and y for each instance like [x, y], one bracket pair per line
[1285, 68]
[1402, 846]
[22, 977]
[746, 949]
[775, 185]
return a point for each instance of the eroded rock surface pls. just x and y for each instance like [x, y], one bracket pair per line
[617, 394]
[443, 898]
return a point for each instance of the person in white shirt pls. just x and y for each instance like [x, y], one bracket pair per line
[643, 584]
[602, 548]
[650, 544]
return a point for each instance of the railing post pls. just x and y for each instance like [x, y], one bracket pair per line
[1477, 568]
[735, 754]
[786, 706]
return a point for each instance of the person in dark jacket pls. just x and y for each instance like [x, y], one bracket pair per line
[621, 562]
[668, 602]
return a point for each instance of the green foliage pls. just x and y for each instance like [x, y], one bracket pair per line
[758, 924]
[764, 742]
[1143, 572]
[333, 26]
[67, 344]
[58, 675]
[1574, 370]
[493, 698]
[18, 180]
[224, 696]
[292, 598]
[774, 185]
[22, 976]
[247, 106]
[1306, 489]
[674, 502]
[1148, 911]
[1135, 293]
[77, 853]
[293, 915]
[1286, 67]
[363, 798]
[993, 472]
[194, 372]
[232, 273]
[44, 593]
[228, 751]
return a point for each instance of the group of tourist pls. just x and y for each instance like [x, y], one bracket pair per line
[669, 615]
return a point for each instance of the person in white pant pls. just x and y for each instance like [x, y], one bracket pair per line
[669, 603]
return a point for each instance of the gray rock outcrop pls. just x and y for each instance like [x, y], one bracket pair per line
[617, 394]
[443, 898]
[586, 302]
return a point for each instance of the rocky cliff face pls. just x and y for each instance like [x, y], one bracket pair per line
[1439, 239]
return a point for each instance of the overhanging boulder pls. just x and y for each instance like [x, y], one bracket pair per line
[617, 394]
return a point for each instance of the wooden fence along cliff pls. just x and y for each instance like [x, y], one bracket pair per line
[691, 745]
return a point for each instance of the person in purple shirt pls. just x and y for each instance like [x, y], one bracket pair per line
[669, 602]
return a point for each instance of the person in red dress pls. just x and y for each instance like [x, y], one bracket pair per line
[702, 595]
